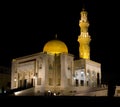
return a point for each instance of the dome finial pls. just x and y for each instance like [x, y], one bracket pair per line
[56, 36]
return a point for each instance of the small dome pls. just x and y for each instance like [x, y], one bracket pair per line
[55, 47]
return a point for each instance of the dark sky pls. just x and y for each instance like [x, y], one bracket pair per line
[26, 27]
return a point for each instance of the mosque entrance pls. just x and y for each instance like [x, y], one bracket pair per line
[82, 82]
[98, 79]
[76, 82]
[25, 83]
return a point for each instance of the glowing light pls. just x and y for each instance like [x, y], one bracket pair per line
[17, 93]
[82, 72]
[34, 77]
[49, 91]
[54, 94]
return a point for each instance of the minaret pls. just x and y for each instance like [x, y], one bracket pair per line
[84, 37]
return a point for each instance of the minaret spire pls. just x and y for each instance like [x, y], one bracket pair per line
[84, 37]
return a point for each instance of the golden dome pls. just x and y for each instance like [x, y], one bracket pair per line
[55, 47]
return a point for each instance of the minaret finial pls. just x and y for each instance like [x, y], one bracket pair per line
[83, 9]
[83, 5]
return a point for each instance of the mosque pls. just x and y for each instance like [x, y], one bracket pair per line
[55, 70]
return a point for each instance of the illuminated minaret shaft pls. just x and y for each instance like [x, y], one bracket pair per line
[84, 37]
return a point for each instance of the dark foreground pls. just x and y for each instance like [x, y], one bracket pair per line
[60, 100]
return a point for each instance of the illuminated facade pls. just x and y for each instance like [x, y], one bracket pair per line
[44, 71]
[54, 69]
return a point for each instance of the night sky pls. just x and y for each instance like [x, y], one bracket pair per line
[26, 27]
